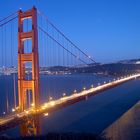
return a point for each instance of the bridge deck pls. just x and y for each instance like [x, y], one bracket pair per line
[15, 119]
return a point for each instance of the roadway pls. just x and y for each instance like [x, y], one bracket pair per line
[14, 119]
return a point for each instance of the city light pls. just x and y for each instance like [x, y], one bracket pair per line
[27, 112]
[32, 104]
[13, 110]
[46, 114]
[75, 91]
[43, 107]
[50, 98]
[52, 103]
[84, 88]
[46, 105]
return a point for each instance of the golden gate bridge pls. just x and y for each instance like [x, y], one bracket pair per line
[32, 45]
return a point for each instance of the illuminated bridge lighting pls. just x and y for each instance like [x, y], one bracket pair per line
[72, 55]
[52, 103]
[46, 114]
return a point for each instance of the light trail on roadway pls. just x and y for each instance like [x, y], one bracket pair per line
[45, 107]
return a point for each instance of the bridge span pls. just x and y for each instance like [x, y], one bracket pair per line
[36, 44]
[15, 119]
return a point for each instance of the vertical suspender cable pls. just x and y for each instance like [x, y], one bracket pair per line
[7, 103]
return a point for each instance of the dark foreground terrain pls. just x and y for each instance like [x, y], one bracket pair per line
[58, 136]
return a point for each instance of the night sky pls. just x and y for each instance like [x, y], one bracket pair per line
[108, 30]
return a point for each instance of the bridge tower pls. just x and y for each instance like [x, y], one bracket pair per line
[31, 126]
[24, 84]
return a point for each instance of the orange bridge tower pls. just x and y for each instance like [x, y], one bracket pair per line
[30, 86]
[25, 85]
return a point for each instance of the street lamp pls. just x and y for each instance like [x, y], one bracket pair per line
[75, 91]
[84, 88]
[50, 98]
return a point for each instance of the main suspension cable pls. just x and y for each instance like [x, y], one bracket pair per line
[42, 14]
[8, 21]
[61, 45]
[9, 16]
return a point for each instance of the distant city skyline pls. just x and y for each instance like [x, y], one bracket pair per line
[107, 30]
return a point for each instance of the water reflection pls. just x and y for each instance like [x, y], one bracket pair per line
[31, 127]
